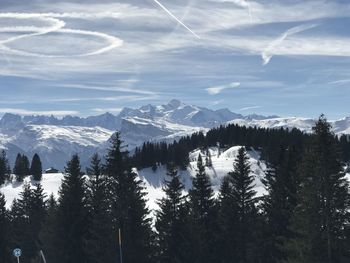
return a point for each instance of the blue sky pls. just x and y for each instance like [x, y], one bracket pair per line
[284, 57]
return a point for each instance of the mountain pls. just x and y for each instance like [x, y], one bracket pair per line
[56, 139]
[304, 124]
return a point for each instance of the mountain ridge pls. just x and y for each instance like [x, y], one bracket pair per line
[58, 138]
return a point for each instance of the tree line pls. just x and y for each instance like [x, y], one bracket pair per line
[304, 218]
[21, 169]
[268, 141]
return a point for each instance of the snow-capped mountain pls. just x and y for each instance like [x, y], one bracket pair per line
[56, 139]
[304, 124]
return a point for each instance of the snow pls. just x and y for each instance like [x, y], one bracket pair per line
[153, 181]
[302, 124]
[84, 136]
[222, 165]
[339, 127]
[55, 140]
[50, 183]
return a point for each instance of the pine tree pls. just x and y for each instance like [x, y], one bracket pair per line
[208, 161]
[25, 165]
[171, 225]
[5, 233]
[36, 169]
[227, 221]
[37, 215]
[241, 181]
[281, 182]
[49, 232]
[72, 215]
[21, 168]
[128, 204]
[100, 240]
[27, 216]
[323, 202]
[5, 170]
[18, 168]
[203, 216]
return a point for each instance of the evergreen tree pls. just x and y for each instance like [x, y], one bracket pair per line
[208, 161]
[227, 221]
[241, 181]
[128, 205]
[27, 216]
[25, 165]
[36, 169]
[100, 240]
[21, 168]
[281, 182]
[18, 168]
[323, 202]
[72, 215]
[173, 244]
[5, 233]
[49, 234]
[203, 216]
[37, 215]
[5, 170]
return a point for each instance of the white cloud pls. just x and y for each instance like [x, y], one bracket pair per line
[110, 110]
[106, 99]
[250, 108]
[340, 82]
[269, 51]
[218, 89]
[30, 112]
[111, 89]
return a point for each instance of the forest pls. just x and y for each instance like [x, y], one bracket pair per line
[304, 218]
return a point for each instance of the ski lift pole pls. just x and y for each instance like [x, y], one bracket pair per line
[42, 256]
[120, 246]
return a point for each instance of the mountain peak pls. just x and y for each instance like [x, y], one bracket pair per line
[174, 103]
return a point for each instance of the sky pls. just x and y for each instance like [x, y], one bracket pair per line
[84, 57]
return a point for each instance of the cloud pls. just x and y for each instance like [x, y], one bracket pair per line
[218, 89]
[250, 108]
[106, 99]
[269, 51]
[110, 110]
[110, 89]
[340, 82]
[30, 112]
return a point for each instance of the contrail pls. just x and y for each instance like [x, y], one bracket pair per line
[249, 11]
[268, 53]
[175, 18]
[57, 26]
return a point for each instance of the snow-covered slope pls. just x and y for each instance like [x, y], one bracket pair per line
[222, 164]
[153, 181]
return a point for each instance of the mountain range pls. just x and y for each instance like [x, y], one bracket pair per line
[56, 139]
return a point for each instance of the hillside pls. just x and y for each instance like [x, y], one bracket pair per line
[153, 181]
